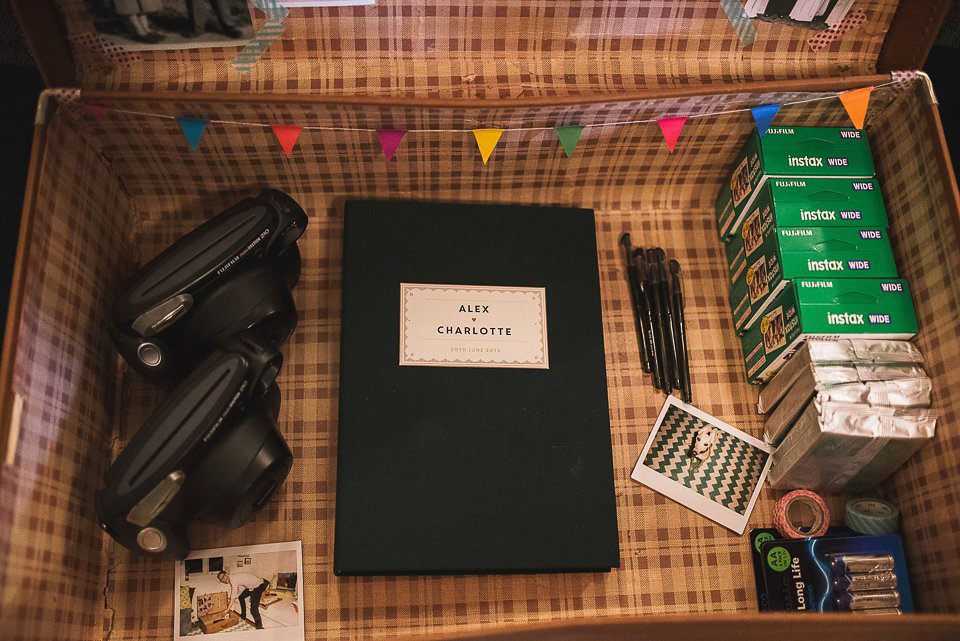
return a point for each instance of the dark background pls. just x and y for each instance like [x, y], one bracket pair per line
[23, 85]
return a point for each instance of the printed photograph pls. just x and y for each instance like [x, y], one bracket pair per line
[771, 326]
[253, 593]
[752, 232]
[740, 182]
[704, 464]
[757, 280]
[809, 14]
[139, 25]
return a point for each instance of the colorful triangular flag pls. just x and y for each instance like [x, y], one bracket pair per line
[569, 136]
[389, 141]
[287, 136]
[487, 139]
[192, 130]
[671, 130]
[97, 111]
[764, 116]
[855, 102]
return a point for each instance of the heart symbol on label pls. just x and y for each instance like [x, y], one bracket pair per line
[474, 320]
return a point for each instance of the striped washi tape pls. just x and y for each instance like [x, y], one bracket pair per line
[266, 34]
[741, 22]
[872, 516]
[782, 519]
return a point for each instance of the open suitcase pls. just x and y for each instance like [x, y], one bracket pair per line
[106, 193]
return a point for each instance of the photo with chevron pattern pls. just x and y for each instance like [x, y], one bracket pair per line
[706, 459]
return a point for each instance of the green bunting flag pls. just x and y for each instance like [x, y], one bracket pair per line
[569, 136]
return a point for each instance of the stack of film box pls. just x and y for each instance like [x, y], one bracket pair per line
[845, 414]
[807, 248]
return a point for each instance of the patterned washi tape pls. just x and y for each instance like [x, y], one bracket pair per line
[266, 34]
[741, 22]
[872, 516]
[781, 515]
[826, 37]
[106, 48]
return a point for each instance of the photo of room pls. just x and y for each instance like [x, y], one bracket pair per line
[241, 590]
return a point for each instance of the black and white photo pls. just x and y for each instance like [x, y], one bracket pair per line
[172, 24]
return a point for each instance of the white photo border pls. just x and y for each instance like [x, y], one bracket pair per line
[684, 495]
[269, 634]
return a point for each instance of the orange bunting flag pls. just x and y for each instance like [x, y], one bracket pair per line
[487, 139]
[287, 136]
[855, 102]
[671, 130]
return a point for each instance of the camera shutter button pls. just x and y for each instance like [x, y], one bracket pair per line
[150, 539]
[150, 355]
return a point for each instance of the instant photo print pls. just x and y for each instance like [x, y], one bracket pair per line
[245, 593]
[704, 464]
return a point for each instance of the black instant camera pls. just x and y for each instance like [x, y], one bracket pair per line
[207, 316]
[232, 273]
[210, 452]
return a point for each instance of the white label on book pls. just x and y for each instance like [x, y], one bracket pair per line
[473, 326]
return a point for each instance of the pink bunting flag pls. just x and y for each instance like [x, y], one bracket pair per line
[97, 111]
[287, 135]
[390, 140]
[671, 130]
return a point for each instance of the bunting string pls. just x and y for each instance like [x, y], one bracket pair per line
[620, 123]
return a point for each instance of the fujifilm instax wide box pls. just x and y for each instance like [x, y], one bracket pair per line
[768, 261]
[790, 152]
[809, 202]
[826, 309]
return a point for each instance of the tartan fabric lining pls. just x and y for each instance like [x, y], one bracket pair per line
[673, 560]
[506, 49]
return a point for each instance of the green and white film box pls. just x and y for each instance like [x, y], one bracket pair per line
[772, 257]
[789, 152]
[809, 202]
[826, 309]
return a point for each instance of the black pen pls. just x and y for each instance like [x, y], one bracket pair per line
[673, 358]
[646, 327]
[635, 298]
[659, 328]
[681, 325]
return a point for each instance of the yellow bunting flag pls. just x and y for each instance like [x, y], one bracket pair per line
[487, 139]
[856, 102]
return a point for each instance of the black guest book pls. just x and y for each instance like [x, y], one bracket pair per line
[474, 432]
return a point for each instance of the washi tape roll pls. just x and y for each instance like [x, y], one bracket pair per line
[787, 524]
[872, 516]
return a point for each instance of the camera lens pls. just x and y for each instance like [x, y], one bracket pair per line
[258, 461]
[265, 494]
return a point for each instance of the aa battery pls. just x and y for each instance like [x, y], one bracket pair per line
[866, 581]
[870, 600]
[861, 563]
[878, 611]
